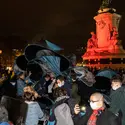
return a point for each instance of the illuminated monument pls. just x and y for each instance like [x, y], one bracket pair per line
[104, 48]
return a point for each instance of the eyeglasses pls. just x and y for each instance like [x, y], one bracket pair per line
[94, 101]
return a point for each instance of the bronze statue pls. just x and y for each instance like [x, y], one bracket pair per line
[106, 4]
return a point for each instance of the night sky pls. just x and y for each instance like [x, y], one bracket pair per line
[64, 22]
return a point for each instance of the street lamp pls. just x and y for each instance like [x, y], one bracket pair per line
[0, 51]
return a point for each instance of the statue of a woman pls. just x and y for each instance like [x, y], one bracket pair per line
[114, 37]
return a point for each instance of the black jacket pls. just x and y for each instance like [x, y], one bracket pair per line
[85, 91]
[105, 118]
[118, 101]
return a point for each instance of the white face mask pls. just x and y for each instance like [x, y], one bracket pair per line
[61, 84]
[115, 87]
[93, 105]
[13, 83]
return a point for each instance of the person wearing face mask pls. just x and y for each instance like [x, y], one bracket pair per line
[97, 113]
[63, 108]
[63, 83]
[51, 86]
[47, 82]
[117, 95]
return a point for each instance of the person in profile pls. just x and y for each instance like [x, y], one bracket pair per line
[117, 95]
[63, 83]
[98, 114]
[63, 109]
[34, 113]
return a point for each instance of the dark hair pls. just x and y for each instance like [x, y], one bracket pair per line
[28, 96]
[61, 78]
[20, 74]
[116, 79]
[58, 92]
[47, 75]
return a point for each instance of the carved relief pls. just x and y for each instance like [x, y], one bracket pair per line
[101, 24]
[92, 42]
[117, 22]
[114, 34]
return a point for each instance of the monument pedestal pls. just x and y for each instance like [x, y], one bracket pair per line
[104, 48]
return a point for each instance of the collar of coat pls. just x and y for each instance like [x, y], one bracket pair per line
[121, 89]
[62, 97]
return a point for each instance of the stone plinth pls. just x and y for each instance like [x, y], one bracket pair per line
[104, 26]
[104, 48]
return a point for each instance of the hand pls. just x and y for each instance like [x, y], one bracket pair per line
[53, 80]
[77, 109]
[26, 81]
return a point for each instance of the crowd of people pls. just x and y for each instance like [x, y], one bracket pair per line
[73, 102]
[54, 91]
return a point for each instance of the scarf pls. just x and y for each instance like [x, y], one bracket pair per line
[10, 123]
[93, 118]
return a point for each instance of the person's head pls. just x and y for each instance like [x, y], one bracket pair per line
[59, 92]
[60, 80]
[116, 83]
[52, 75]
[114, 28]
[97, 101]
[30, 94]
[21, 75]
[47, 77]
[92, 33]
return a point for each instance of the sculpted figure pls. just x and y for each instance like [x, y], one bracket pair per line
[92, 42]
[114, 36]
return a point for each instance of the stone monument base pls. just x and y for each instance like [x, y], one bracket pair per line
[113, 57]
[104, 48]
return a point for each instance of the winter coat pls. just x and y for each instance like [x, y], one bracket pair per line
[118, 102]
[105, 118]
[74, 93]
[61, 112]
[68, 87]
[34, 113]
[20, 86]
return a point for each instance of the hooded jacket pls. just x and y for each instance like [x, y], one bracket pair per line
[61, 112]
